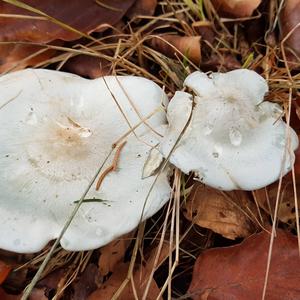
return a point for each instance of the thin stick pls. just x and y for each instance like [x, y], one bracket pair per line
[112, 167]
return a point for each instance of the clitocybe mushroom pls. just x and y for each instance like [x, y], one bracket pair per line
[233, 139]
[56, 129]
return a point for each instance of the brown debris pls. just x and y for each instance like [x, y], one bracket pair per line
[83, 15]
[266, 199]
[231, 214]
[19, 56]
[289, 25]
[142, 8]
[180, 46]
[88, 66]
[113, 253]
[236, 8]
[238, 272]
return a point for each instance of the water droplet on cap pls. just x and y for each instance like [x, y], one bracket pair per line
[17, 242]
[31, 119]
[235, 136]
[208, 128]
[99, 231]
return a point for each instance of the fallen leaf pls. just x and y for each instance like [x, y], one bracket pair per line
[4, 271]
[38, 294]
[289, 19]
[175, 45]
[142, 8]
[227, 213]
[238, 272]
[5, 296]
[224, 63]
[140, 277]
[266, 199]
[19, 56]
[236, 8]
[86, 283]
[83, 15]
[88, 66]
[113, 253]
[205, 30]
[109, 288]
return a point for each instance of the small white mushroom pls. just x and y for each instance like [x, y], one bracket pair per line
[56, 130]
[233, 139]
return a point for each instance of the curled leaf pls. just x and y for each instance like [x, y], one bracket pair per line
[88, 66]
[236, 8]
[172, 45]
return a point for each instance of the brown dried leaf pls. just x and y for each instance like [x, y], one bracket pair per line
[205, 30]
[236, 8]
[266, 199]
[18, 56]
[289, 19]
[4, 271]
[83, 15]
[113, 253]
[224, 63]
[109, 288]
[86, 283]
[38, 294]
[238, 272]
[142, 8]
[88, 66]
[5, 296]
[188, 46]
[229, 214]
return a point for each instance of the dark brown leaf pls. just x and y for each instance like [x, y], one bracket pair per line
[88, 66]
[86, 283]
[289, 19]
[110, 287]
[83, 15]
[19, 56]
[266, 198]
[5, 296]
[220, 63]
[229, 214]
[142, 8]
[236, 8]
[170, 45]
[238, 272]
[4, 271]
[113, 253]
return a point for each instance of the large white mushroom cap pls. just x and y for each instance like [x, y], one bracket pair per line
[56, 129]
[233, 140]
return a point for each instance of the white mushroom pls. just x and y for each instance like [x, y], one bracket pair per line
[233, 139]
[56, 129]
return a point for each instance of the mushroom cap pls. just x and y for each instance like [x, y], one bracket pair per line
[56, 130]
[234, 140]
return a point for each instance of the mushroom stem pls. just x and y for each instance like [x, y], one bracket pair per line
[112, 167]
